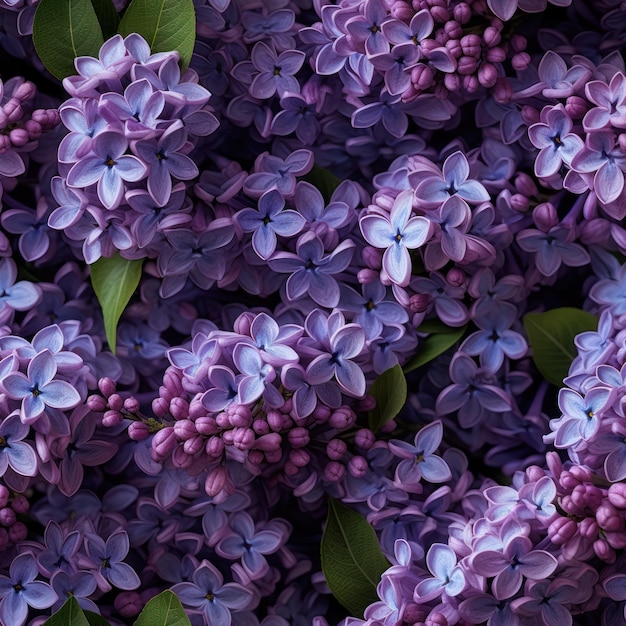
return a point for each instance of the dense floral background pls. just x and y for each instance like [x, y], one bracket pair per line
[324, 323]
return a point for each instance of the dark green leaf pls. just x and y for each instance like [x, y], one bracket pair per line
[114, 280]
[95, 620]
[64, 30]
[324, 180]
[163, 610]
[434, 345]
[551, 336]
[108, 17]
[165, 24]
[389, 391]
[70, 614]
[352, 560]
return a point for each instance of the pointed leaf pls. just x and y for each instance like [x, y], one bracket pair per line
[114, 280]
[551, 337]
[64, 30]
[434, 345]
[389, 390]
[70, 614]
[352, 560]
[324, 180]
[95, 620]
[163, 610]
[165, 24]
[108, 17]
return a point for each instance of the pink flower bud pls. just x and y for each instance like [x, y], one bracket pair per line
[19, 137]
[422, 76]
[18, 532]
[334, 471]
[214, 447]
[519, 202]
[495, 55]
[609, 518]
[165, 393]
[502, 90]
[275, 420]
[603, 551]
[243, 438]
[419, 302]
[268, 443]
[273, 456]
[617, 495]
[436, 619]
[372, 257]
[160, 407]
[131, 404]
[471, 45]
[222, 420]
[357, 466]
[466, 65]
[300, 458]
[471, 83]
[576, 107]
[298, 437]
[520, 61]
[128, 604]
[453, 29]
[342, 418]
[440, 14]
[487, 75]
[588, 528]
[179, 408]
[185, 429]
[255, 457]
[335, 449]
[561, 530]
[525, 185]
[96, 403]
[456, 277]
[529, 115]
[193, 445]
[20, 504]
[462, 12]
[491, 36]
[164, 442]
[290, 469]
[112, 418]
[366, 276]
[261, 427]
[33, 129]
[227, 437]
[322, 413]
[216, 481]
[138, 431]
[454, 48]
[206, 425]
[243, 322]
[25, 91]
[7, 516]
[534, 473]
[116, 402]
[364, 438]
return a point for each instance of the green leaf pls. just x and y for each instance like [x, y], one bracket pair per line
[434, 345]
[64, 30]
[95, 620]
[114, 280]
[389, 391]
[352, 560]
[70, 614]
[108, 17]
[324, 180]
[165, 24]
[551, 336]
[163, 610]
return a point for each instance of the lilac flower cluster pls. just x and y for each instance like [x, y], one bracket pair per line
[132, 121]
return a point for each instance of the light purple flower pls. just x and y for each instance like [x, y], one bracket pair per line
[109, 167]
[14, 451]
[20, 590]
[276, 72]
[270, 220]
[419, 459]
[397, 234]
[109, 568]
[38, 389]
[448, 577]
[208, 595]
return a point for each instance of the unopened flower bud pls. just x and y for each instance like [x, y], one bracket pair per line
[215, 481]
[357, 466]
[617, 495]
[7, 516]
[96, 403]
[561, 530]
[298, 437]
[419, 302]
[520, 61]
[18, 532]
[487, 75]
[268, 442]
[112, 418]
[138, 431]
[334, 471]
[185, 429]
[609, 518]
[20, 504]
[106, 386]
[164, 442]
[215, 447]
[456, 277]
[300, 458]
[160, 407]
[206, 425]
[335, 449]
